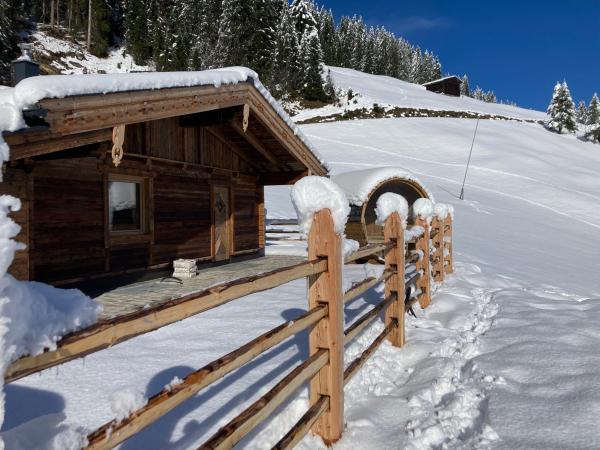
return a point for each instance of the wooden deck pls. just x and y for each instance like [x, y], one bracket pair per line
[133, 297]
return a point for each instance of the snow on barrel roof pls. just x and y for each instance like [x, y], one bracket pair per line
[31, 90]
[358, 184]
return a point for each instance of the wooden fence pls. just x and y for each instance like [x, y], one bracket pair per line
[424, 256]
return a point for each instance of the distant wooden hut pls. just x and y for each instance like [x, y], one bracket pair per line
[447, 85]
[364, 187]
[121, 173]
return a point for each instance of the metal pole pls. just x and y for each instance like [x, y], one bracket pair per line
[462, 189]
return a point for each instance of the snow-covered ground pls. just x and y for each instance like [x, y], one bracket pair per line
[70, 57]
[505, 356]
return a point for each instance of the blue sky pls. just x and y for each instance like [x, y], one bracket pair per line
[519, 49]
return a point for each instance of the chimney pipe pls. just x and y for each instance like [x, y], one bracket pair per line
[24, 66]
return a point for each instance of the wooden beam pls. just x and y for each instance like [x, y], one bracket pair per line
[218, 133]
[448, 244]
[437, 240]
[365, 285]
[297, 433]
[26, 145]
[107, 333]
[247, 420]
[353, 330]
[326, 288]
[113, 433]
[355, 365]
[368, 250]
[254, 142]
[422, 246]
[394, 259]
[278, 178]
[76, 114]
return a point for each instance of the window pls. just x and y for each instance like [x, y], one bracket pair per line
[125, 206]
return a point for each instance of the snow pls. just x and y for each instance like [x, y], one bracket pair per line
[442, 211]
[312, 194]
[389, 203]
[505, 357]
[423, 208]
[360, 183]
[126, 401]
[441, 79]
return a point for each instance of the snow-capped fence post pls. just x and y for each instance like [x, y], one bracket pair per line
[423, 264]
[447, 251]
[328, 333]
[437, 240]
[394, 262]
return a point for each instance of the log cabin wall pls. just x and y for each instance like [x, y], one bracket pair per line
[64, 219]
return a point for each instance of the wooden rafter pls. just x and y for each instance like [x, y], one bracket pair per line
[218, 133]
[254, 142]
[27, 145]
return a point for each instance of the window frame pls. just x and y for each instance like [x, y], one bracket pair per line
[143, 205]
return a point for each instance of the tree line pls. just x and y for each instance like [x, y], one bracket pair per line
[286, 44]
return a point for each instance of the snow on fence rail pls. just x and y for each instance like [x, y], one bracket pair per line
[325, 369]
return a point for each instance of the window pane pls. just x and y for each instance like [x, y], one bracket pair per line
[124, 206]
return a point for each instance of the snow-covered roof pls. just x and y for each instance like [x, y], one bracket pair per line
[31, 90]
[358, 184]
[442, 79]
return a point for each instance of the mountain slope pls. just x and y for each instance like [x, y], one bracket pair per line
[391, 91]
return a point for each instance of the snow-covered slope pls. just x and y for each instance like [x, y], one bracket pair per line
[61, 55]
[391, 91]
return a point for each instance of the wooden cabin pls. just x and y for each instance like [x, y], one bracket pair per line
[364, 187]
[125, 181]
[447, 85]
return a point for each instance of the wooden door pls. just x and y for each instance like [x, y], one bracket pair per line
[221, 210]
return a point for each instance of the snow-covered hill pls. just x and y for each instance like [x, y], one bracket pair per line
[505, 356]
[387, 91]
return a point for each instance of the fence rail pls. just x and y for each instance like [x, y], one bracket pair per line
[428, 253]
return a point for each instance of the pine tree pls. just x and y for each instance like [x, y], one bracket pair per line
[329, 88]
[286, 73]
[7, 41]
[561, 110]
[593, 111]
[465, 89]
[478, 93]
[326, 28]
[235, 32]
[581, 114]
[204, 33]
[137, 37]
[101, 29]
[312, 60]
[303, 12]
[263, 43]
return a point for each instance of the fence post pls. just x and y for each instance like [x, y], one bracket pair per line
[449, 268]
[437, 229]
[394, 261]
[327, 288]
[424, 282]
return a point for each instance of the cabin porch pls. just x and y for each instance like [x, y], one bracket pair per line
[158, 287]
